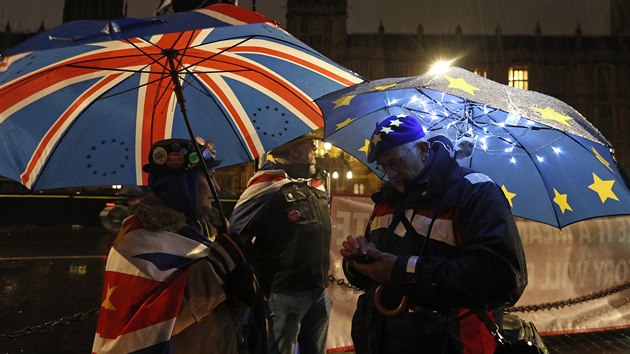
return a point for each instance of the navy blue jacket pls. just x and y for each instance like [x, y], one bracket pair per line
[473, 259]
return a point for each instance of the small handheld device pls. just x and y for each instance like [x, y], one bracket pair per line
[361, 258]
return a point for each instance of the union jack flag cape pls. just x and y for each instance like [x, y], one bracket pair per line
[145, 278]
[260, 189]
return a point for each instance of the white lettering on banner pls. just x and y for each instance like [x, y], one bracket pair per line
[361, 221]
[560, 275]
[585, 235]
[348, 221]
[604, 232]
[610, 273]
[623, 230]
[342, 228]
[533, 233]
[621, 272]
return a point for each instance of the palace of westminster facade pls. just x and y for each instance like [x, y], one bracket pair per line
[590, 73]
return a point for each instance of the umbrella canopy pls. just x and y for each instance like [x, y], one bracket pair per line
[551, 163]
[82, 104]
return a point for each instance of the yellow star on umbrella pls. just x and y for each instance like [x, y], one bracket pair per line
[551, 114]
[366, 147]
[376, 139]
[343, 101]
[384, 87]
[603, 188]
[561, 200]
[107, 304]
[461, 84]
[508, 195]
[601, 158]
[344, 123]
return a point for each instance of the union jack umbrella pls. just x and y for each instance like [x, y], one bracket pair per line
[81, 105]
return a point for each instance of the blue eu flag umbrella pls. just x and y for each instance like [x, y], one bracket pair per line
[551, 163]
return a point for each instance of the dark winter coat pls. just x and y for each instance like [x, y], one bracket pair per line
[473, 259]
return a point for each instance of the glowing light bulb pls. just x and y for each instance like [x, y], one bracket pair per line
[335, 175]
[327, 146]
[349, 175]
[440, 67]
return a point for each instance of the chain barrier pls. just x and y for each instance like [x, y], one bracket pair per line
[342, 282]
[538, 307]
[81, 316]
[51, 325]
[570, 302]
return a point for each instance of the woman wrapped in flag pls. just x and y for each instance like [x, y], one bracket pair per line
[168, 287]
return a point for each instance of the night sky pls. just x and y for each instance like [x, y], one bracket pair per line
[557, 17]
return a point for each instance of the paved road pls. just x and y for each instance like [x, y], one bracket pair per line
[47, 273]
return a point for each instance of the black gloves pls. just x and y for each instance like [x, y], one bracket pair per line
[237, 274]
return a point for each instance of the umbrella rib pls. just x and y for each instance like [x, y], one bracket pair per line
[202, 59]
[147, 54]
[131, 89]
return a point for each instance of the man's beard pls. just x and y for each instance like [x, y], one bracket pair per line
[299, 170]
[213, 216]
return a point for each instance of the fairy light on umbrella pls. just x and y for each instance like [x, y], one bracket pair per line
[551, 163]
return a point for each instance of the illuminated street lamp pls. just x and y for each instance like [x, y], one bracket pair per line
[440, 66]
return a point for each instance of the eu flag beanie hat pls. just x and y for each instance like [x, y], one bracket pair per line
[394, 131]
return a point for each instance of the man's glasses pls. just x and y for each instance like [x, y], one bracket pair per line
[392, 165]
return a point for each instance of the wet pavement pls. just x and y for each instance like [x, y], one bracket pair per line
[53, 273]
[48, 273]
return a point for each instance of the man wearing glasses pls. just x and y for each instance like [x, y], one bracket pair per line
[283, 214]
[441, 242]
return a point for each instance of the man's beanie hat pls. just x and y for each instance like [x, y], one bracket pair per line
[179, 155]
[393, 131]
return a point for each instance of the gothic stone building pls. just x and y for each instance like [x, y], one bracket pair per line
[590, 73]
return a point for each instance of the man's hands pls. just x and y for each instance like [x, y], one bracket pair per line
[237, 274]
[364, 257]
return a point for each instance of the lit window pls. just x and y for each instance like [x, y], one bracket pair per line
[481, 72]
[518, 77]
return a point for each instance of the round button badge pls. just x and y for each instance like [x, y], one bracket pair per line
[159, 156]
[175, 160]
[293, 215]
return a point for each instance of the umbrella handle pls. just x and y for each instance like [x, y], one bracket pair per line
[378, 303]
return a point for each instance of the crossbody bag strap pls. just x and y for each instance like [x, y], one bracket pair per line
[412, 230]
[492, 326]
[399, 216]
